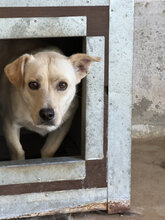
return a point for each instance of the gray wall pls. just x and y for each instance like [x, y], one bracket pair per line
[149, 69]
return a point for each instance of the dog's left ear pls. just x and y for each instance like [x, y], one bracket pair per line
[82, 63]
[15, 70]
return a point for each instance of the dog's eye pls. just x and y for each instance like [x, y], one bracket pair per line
[62, 86]
[34, 85]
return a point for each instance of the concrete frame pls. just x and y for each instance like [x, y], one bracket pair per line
[120, 102]
[94, 99]
[51, 3]
[117, 193]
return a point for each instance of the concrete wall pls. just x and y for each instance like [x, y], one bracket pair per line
[149, 69]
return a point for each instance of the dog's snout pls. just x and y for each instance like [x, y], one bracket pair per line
[47, 114]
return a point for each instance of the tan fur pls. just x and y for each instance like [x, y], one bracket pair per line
[21, 105]
[15, 70]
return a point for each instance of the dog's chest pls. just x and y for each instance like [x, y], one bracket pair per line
[40, 129]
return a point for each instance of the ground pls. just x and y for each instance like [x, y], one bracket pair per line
[148, 186]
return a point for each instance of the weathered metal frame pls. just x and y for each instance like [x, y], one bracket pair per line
[48, 203]
[38, 171]
[95, 46]
[114, 195]
[47, 170]
[120, 104]
[52, 3]
[17, 28]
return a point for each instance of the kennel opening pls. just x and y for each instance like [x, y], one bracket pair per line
[33, 142]
[91, 126]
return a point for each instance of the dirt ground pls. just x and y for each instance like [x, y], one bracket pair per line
[148, 186]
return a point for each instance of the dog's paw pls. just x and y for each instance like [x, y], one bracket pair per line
[18, 156]
[45, 154]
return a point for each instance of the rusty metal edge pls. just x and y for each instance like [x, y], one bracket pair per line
[118, 207]
[68, 210]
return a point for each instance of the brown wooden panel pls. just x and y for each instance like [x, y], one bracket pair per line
[98, 25]
[97, 16]
[17, 189]
[96, 177]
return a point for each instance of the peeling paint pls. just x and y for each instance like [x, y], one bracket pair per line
[157, 106]
[85, 208]
[118, 207]
[146, 4]
[158, 118]
[142, 106]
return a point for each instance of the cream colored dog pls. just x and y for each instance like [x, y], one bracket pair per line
[38, 92]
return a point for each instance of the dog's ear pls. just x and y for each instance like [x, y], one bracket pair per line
[82, 63]
[15, 70]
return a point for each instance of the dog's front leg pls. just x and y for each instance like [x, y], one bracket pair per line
[55, 139]
[12, 135]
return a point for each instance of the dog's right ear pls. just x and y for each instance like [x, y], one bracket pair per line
[15, 70]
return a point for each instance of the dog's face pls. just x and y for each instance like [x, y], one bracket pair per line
[47, 83]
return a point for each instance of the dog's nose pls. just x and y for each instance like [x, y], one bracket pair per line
[47, 114]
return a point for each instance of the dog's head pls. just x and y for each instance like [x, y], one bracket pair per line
[47, 82]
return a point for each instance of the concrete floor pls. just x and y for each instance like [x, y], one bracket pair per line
[148, 186]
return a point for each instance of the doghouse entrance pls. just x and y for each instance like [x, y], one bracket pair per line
[32, 142]
[100, 180]
[84, 142]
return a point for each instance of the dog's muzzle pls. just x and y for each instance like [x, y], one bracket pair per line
[47, 114]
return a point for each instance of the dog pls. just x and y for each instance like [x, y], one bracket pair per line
[37, 91]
